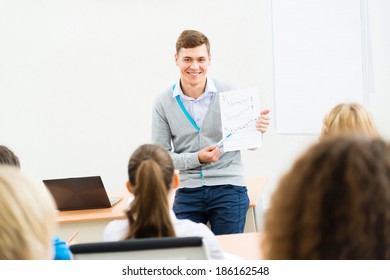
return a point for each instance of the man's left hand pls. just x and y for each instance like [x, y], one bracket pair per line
[263, 121]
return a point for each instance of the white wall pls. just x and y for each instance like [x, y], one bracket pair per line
[78, 78]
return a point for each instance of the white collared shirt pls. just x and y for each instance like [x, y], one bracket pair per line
[117, 229]
[197, 108]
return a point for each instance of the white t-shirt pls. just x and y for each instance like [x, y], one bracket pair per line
[117, 229]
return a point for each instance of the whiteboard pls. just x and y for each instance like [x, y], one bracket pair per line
[78, 78]
[318, 60]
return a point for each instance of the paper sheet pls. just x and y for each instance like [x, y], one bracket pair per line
[239, 112]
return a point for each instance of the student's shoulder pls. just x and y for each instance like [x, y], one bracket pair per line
[115, 230]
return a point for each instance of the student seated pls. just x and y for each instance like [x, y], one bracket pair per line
[28, 218]
[334, 203]
[151, 180]
[7, 157]
[349, 118]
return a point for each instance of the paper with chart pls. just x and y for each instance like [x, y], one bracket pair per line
[239, 112]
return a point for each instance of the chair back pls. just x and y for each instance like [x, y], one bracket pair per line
[162, 248]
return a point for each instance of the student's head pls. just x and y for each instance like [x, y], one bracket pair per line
[334, 203]
[348, 118]
[7, 157]
[27, 215]
[192, 57]
[151, 178]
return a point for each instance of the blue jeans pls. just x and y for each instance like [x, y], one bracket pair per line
[224, 206]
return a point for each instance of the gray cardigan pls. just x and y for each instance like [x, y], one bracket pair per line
[172, 130]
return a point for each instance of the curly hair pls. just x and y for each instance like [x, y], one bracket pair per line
[334, 203]
[349, 118]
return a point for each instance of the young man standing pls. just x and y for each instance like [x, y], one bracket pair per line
[186, 121]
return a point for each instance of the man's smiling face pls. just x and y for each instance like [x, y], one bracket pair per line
[193, 64]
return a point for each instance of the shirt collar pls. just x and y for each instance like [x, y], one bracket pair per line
[210, 88]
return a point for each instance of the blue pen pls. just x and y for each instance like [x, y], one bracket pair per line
[223, 140]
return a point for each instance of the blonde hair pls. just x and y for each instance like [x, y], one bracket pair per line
[349, 118]
[28, 217]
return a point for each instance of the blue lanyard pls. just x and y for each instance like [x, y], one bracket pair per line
[183, 108]
[186, 113]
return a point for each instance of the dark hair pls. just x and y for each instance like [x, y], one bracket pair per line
[150, 173]
[192, 39]
[7, 157]
[334, 203]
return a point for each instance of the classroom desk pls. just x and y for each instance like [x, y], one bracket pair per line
[246, 245]
[91, 223]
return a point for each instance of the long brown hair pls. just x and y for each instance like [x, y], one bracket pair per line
[150, 172]
[334, 203]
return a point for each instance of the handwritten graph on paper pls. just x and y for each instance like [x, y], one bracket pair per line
[239, 112]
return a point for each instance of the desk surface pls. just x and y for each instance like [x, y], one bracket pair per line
[246, 245]
[255, 188]
[112, 213]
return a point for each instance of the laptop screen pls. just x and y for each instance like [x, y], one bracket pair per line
[78, 193]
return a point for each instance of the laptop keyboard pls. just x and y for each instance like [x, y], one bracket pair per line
[114, 200]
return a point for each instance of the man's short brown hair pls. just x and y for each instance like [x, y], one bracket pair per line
[192, 39]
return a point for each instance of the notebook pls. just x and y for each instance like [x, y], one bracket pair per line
[80, 193]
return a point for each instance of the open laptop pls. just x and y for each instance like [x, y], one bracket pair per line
[80, 193]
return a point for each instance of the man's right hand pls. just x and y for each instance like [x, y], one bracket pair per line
[209, 154]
